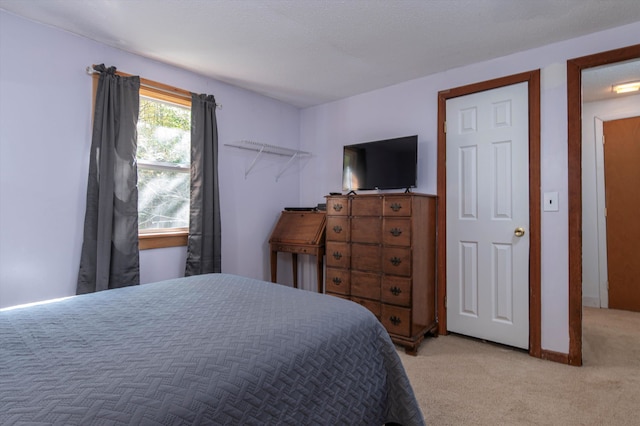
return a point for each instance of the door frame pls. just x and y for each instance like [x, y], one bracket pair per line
[574, 164]
[533, 80]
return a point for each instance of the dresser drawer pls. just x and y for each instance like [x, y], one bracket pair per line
[366, 206]
[372, 305]
[337, 228]
[365, 284]
[396, 320]
[396, 290]
[338, 206]
[366, 230]
[397, 206]
[396, 232]
[338, 254]
[366, 257]
[338, 281]
[396, 261]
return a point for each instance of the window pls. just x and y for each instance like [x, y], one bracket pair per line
[163, 157]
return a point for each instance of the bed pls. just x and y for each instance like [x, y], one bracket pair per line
[209, 349]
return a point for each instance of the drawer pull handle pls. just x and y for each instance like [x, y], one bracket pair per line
[396, 232]
[337, 281]
[395, 291]
[395, 320]
[337, 207]
[337, 229]
[396, 207]
[395, 261]
[337, 255]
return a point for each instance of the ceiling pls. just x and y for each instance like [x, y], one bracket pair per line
[597, 82]
[308, 52]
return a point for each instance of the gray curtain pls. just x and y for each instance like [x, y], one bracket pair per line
[109, 257]
[203, 248]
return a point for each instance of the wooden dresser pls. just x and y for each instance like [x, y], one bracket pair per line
[380, 251]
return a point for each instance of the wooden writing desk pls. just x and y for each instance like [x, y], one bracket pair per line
[298, 232]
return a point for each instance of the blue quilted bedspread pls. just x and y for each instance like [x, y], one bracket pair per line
[210, 349]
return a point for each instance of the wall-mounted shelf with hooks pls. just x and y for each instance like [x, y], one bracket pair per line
[263, 148]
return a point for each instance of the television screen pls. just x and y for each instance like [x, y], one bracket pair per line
[383, 164]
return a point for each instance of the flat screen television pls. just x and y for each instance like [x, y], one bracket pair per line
[383, 164]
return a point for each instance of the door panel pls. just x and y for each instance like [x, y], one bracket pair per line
[487, 199]
[622, 194]
[468, 280]
[502, 282]
[468, 204]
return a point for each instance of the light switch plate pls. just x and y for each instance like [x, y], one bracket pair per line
[550, 203]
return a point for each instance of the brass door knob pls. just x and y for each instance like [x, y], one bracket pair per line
[519, 232]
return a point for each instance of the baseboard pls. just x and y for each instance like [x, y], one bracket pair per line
[554, 356]
[592, 302]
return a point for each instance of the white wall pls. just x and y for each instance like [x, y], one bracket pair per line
[594, 256]
[45, 106]
[411, 108]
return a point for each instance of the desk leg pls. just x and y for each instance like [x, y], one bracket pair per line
[294, 260]
[319, 271]
[274, 265]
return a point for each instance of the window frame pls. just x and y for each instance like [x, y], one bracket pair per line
[167, 237]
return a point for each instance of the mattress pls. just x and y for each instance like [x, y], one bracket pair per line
[209, 349]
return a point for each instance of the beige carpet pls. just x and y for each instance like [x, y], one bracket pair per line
[462, 381]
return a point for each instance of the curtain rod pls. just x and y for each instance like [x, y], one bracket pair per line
[152, 84]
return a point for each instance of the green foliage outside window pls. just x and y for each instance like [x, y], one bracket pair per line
[164, 141]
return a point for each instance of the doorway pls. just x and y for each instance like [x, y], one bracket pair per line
[595, 267]
[574, 103]
[533, 80]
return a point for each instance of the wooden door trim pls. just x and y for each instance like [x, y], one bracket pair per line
[533, 80]
[574, 164]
